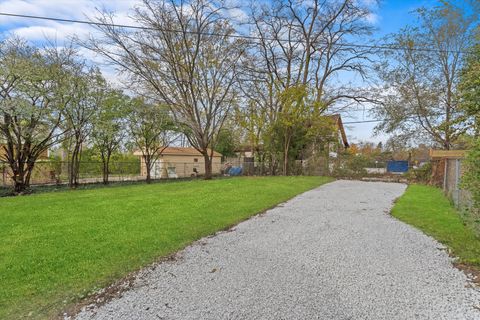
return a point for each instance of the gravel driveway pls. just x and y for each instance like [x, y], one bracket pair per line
[330, 253]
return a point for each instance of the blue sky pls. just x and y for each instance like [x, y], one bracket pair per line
[390, 16]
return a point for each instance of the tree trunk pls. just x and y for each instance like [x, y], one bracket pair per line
[105, 172]
[208, 166]
[148, 166]
[21, 177]
[149, 177]
[273, 165]
[106, 168]
[285, 154]
[261, 159]
[19, 185]
[74, 167]
[28, 174]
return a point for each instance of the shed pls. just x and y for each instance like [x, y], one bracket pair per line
[180, 162]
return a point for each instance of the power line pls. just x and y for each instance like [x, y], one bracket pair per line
[94, 23]
[363, 121]
[381, 120]
[384, 46]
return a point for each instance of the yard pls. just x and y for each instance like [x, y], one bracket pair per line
[59, 247]
[426, 208]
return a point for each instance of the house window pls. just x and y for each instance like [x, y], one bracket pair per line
[195, 160]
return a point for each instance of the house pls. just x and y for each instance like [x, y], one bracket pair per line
[339, 143]
[339, 131]
[180, 162]
[334, 141]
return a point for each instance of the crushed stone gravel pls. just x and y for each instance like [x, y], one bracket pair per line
[330, 253]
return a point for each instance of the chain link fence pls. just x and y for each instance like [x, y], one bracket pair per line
[342, 166]
[57, 172]
[453, 172]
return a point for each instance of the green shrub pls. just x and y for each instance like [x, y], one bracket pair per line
[351, 166]
[471, 177]
[421, 174]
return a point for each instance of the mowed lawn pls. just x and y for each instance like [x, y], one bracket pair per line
[426, 208]
[58, 247]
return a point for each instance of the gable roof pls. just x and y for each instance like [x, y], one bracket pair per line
[181, 151]
[337, 119]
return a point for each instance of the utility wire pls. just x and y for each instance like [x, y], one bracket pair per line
[353, 45]
[381, 120]
[363, 121]
[385, 46]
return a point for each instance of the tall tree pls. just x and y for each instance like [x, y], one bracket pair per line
[470, 102]
[420, 95]
[303, 44]
[296, 112]
[109, 126]
[470, 89]
[87, 94]
[471, 177]
[152, 130]
[226, 142]
[307, 43]
[185, 58]
[33, 96]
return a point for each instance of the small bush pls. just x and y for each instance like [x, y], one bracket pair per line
[421, 174]
[351, 166]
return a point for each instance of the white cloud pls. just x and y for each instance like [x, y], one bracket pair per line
[372, 18]
[35, 29]
[57, 8]
[56, 31]
[237, 14]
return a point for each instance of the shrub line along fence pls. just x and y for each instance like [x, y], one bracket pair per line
[53, 172]
[57, 172]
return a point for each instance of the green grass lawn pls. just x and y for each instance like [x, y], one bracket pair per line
[58, 247]
[429, 210]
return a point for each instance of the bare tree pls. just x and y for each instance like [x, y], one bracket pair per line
[420, 94]
[308, 44]
[185, 57]
[33, 96]
[305, 44]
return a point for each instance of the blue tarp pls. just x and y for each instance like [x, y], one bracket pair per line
[235, 171]
[397, 166]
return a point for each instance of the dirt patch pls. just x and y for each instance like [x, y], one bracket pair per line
[472, 272]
